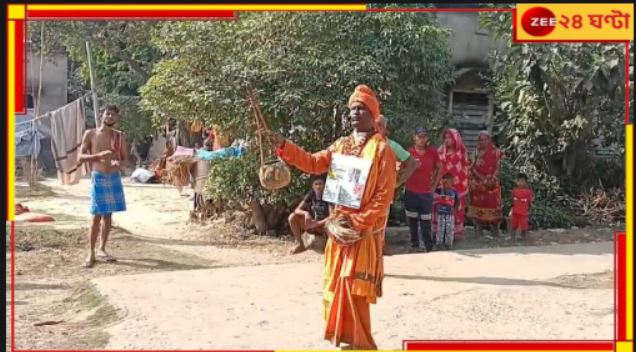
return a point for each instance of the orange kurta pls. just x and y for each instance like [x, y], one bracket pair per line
[353, 274]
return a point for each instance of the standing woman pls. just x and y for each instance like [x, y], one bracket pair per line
[485, 188]
[454, 160]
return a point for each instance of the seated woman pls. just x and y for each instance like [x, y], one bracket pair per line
[310, 215]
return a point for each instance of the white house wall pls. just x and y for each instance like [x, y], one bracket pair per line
[54, 80]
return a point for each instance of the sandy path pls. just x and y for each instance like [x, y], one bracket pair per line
[155, 210]
[257, 297]
[157, 214]
[556, 292]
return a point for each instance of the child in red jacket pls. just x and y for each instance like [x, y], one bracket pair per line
[521, 206]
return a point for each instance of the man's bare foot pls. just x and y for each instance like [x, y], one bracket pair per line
[299, 248]
[89, 262]
[103, 256]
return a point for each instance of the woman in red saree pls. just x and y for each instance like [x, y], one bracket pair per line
[454, 160]
[353, 273]
[485, 189]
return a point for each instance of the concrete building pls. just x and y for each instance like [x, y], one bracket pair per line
[54, 79]
[53, 93]
[470, 101]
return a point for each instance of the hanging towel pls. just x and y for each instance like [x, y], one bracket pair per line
[28, 133]
[182, 153]
[200, 174]
[67, 130]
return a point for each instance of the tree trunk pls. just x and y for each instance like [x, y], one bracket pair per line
[258, 217]
[274, 214]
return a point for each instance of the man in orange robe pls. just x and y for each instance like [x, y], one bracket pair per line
[353, 273]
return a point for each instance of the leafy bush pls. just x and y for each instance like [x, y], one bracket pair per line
[233, 180]
[304, 66]
[554, 100]
[550, 205]
[397, 216]
[546, 215]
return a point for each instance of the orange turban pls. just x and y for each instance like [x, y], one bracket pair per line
[363, 94]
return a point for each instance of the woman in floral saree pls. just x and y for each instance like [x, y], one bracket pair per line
[485, 204]
[454, 160]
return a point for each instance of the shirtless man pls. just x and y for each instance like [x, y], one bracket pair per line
[104, 148]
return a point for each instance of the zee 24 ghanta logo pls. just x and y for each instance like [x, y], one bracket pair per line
[540, 21]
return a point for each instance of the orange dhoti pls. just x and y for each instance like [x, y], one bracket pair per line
[353, 273]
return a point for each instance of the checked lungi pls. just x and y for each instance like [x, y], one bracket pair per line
[107, 193]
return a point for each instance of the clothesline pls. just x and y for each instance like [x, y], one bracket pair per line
[49, 115]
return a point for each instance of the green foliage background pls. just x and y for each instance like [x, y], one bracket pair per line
[552, 100]
[304, 66]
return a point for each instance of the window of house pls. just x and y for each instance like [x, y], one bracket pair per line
[470, 109]
[470, 98]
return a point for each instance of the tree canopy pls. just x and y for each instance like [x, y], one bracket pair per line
[304, 66]
[123, 59]
[555, 100]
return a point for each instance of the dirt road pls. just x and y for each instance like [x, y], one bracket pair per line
[185, 286]
[534, 293]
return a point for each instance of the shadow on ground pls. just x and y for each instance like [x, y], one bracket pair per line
[605, 279]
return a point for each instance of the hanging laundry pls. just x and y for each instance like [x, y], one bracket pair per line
[67, 130]
[27, 143]
[182, 153]
[196, 126]
[28, 133]
[223, 153]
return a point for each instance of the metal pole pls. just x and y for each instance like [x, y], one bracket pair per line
[92, 77]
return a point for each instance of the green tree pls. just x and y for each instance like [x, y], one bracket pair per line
[554, 100]
[123, 58]
[304, 66]
[124, 42]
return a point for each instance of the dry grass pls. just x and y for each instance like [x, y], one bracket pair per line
[38, 190]
[51, 285]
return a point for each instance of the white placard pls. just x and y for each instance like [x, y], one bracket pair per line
[346, 180]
